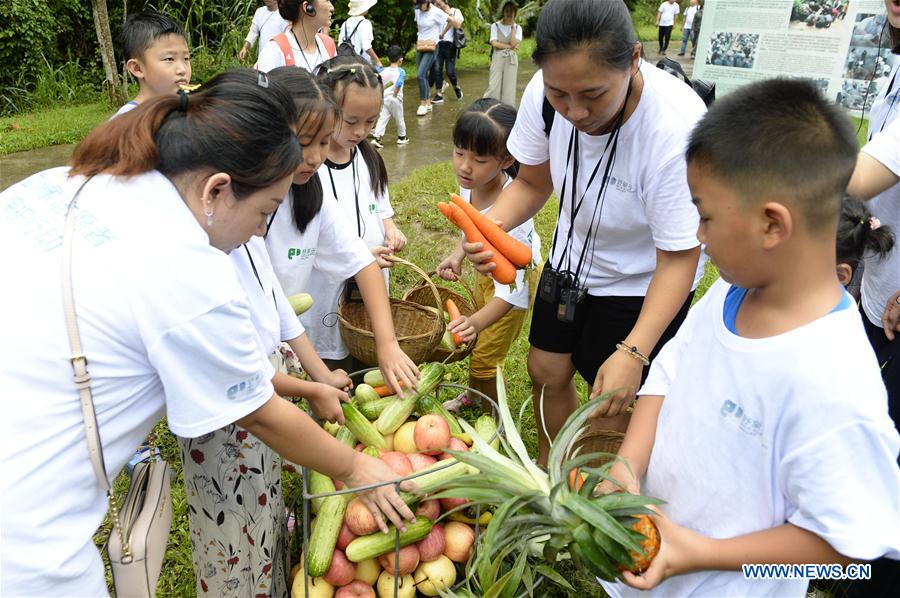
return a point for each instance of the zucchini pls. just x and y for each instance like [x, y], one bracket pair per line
[374, 378]
[362, 428]
[331, 427]
[373, 545]
[432, 481]
[345, 436]
[372, 409]
[429, 404]
[325, 534]
[486, 428]
[365, 393]
[372, 452]
[319, 484]
[399, 411]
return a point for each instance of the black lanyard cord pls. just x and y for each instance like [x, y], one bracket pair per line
[256, 274]
[360, 229]
[303, 54]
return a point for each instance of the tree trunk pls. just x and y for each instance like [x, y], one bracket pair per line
[104, 38]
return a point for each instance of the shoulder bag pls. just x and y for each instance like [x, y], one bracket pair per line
[137, 544]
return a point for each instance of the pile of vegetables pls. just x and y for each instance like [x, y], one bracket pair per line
[346, 554]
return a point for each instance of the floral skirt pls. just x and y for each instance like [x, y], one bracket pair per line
[238, 525]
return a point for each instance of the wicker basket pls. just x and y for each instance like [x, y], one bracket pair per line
[418, 330]
[422, 295]
[600, 441]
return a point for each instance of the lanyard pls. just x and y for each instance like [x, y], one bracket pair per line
[309, 67]
[359, 222]
[256, 274]
[887, 92]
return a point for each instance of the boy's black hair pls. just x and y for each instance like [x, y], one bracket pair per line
[603, 27]
[858, 235]
[483, 129]
[394, 53]
[140, 31]
[779, 139]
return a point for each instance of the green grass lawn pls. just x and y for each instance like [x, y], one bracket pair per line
[431, 238]
[50, 127]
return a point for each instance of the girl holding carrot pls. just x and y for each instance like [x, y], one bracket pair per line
[353, 177]
[484, 167]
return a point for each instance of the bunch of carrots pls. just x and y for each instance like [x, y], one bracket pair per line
[509, 253]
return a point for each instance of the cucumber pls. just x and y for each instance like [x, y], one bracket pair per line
[365, 393]
[429, 404]
[399, 411]
[372, 409]
[345, 436]
[374, 378]
[486, 428]
[325, 534]
[362, 428]
[319, 484]
[373, 545]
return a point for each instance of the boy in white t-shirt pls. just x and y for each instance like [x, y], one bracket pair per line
[156, 54]
[763, 423]
[665, 20]
[266, 24]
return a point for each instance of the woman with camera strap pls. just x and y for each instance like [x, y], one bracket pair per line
[625, 257]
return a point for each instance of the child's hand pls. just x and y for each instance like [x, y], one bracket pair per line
[396, 367]
[680, 551]
[379, 252]
[451, 267]
[394, 238]
[325, 401]
[338, 379]
[382, 501]
[620, 472]
[891, 317]
[464, 327]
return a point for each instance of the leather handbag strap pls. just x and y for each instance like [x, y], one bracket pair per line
[81, 377]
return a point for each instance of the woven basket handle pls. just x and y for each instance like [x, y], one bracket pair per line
[431, 285]
[461, 280]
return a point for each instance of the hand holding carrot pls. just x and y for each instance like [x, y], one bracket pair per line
[503, 272]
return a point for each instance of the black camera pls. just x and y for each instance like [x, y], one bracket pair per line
[563, 289]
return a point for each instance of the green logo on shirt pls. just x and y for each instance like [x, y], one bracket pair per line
[303, 254]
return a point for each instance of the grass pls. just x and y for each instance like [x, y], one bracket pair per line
[53, 126]
[432, 239]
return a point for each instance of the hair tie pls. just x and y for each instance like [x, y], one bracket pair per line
[262, 79]
[182, 100]
[874, 223]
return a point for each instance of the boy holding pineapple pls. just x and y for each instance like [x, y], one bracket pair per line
[763, 423]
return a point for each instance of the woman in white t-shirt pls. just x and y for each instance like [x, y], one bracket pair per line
[506, 35]
[267, 23]
[429, 24]
[301, 45]
[313, 245]
[607, 133]
[164, 323]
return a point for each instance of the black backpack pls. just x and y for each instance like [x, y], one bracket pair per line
[705, 89]
[459, 38]
[346, 46]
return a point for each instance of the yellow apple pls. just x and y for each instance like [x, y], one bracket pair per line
[318, 587]
[404, 440]
[406, 586]
[368, 571]
[431, 575]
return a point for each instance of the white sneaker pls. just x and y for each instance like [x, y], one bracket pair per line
[423, 110]
[429, 107]
[402, 140]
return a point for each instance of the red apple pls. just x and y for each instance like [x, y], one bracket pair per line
[458, 540]
[409, 560]
[398, 462]
[341, 571]
[355, 589]
[432, 546]
[455, 444]
[360, 519]
[420, 461]
[448, 504]
[430, 509]
[345, 536]
[432, 434]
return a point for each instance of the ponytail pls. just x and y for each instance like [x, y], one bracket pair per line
[378, 176]
[306, 201]
[861, 234]
[238, 123]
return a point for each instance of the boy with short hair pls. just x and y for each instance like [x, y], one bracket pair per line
[763, 423]
[393, 78]
[156, 53]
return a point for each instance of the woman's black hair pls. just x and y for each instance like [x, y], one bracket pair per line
[314, 103]
[483, 129]
[860, 235]
[289, 9]
[237, 123]
[603, 27]
[337, 74]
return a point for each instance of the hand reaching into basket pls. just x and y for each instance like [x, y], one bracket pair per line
[464, 327]
[397, 368]
[382, 501]
[325, 401]
[451, 267]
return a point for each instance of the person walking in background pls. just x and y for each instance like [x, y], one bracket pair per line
[687, 25]
[446, 52]
[695, 29]
[665, 20]
[357, 30]
[301, 44]
[430, 23]
[392, 78]
[266, 24]
[506, 36]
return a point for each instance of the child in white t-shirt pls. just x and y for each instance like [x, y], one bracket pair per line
[156, 54]
[267, 23]
[484, 167]
[763, 423]
[393, 78]
[665, 20]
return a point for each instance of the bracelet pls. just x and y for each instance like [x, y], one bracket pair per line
[633, 351]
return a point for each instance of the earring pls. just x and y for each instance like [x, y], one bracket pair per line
[209, 215]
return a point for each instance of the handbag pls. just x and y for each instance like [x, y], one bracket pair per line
[425, 45]
[137, 544]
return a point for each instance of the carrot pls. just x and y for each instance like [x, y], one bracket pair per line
[453, 311]
[505, 272]
[385, 391]
[445, 210]
[512, 249]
